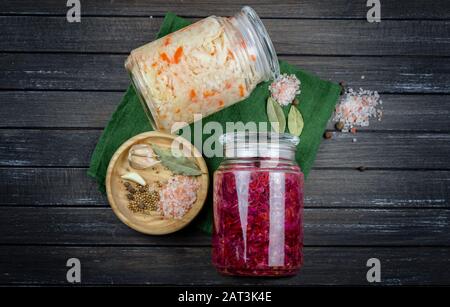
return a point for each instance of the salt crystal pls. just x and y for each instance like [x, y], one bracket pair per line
[285, 88]
[357, 107]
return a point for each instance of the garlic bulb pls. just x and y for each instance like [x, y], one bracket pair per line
[140, 156]
[135, 177]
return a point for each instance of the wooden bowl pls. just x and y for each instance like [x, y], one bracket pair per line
[153, 223]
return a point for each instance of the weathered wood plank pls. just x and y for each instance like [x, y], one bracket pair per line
[73, 148]
[106, 72]
[55, 147]
[57, 109]
[323, 227]
[175, 266]
[344, 188]
[93, 110]
[265, 8]
[329, 37]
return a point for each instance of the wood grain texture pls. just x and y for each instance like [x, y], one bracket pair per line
[344, 188]
[73, 148]
[290, 36]
[322, 227]
[106, 72]
[266, 8]
[40, 109]
[57, 109]
[175, 266]
[61, 82]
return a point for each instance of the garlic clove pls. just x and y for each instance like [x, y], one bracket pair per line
[142, 150]
[140, 156]
[138, 162]
[135, 177]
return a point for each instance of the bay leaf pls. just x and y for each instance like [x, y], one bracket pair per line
[178, 165]
[275, 115]
[295, 121]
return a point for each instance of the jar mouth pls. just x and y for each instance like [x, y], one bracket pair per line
[246, 144]
[263, 43]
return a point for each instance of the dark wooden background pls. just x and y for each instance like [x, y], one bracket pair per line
[60, 82]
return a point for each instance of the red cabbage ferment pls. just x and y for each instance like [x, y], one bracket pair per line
[258, 217]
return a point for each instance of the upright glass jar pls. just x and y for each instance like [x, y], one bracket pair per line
[202, 68]
[258, 206]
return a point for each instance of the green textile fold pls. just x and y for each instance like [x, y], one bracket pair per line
[317, 101]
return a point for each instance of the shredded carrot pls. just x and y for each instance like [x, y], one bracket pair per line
[241, 90]
[178, 54]
[192, 95]
[154, 64]
[167, 41]
[253, 57]
[164, 57]
[210, 93]
[177, 110]
[221, 103]
[230, 55]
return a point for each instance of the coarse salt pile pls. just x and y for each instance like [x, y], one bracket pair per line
[178, 196]
[285, 88]
[355, 108]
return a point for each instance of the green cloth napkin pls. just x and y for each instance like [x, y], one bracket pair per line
[317, 101]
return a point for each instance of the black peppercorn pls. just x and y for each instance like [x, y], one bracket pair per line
[339, 126]
[328, 135]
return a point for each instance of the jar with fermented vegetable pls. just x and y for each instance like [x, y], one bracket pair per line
[201, 69]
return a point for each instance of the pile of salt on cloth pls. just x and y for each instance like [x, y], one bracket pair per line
[317, 102]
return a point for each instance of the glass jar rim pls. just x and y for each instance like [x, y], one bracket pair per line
[247, 144]
[236, 136]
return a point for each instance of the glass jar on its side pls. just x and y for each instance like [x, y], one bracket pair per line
[202, 68]
[258, 206]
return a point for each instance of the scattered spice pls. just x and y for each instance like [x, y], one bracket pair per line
[284, 89]
[355, 108]
[328, 135]
[339, 126]
[142, 199]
